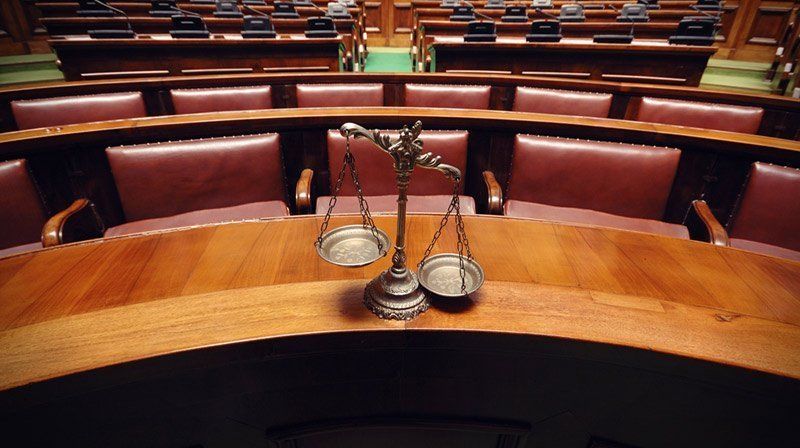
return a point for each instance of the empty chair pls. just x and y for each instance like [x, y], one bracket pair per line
[571, 13]
[193, 101]
[22, 213]
[597, 183]
[767, 218]
[77, 109]
[194, 182]
[562, 102]
[339, 95]
[633, 12]
[723, 117]
[429, 190]
[451, 96]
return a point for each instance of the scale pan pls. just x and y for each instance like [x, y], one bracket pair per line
[440, 275]
[352, 246]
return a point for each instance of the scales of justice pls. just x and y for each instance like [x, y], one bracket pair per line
[398, 292]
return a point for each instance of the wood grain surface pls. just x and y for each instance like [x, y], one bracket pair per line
[94, 304]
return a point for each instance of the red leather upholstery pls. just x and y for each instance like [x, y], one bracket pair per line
[723, 117]
[167, 179]
[13, 250]
[375, 170]
[562, 102]
[339, 95]
[77, 109]
[766, 249]
[583, 216]
[769, 211]
[254, 210]
[22, 215]
[193, 101]
[388, 204]
[457, 97]
[622, 179]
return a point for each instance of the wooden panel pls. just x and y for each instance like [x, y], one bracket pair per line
[767, 25]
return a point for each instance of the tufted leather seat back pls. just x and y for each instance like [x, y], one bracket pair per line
[562, 102]
[617, 178]
[165, 179]
[721, 117]
[77, 109]
[21, 212]
[193, 101]
[769, 209]
[457, 97]
[339, 95]
[375, 172]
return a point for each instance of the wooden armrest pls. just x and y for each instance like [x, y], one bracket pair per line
[703, 224]
[494, 193]
[302, 195]
[53, 230]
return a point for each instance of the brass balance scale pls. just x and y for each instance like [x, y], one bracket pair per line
[399, 293]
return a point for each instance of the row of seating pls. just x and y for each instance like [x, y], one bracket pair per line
[81, 109]
[616, 185]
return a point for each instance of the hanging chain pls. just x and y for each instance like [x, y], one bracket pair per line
[349, 161]
[463, 242]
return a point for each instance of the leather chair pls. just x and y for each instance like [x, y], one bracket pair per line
[339, 95]
[722, 117]
[193, 101]
[589, 182]
[23, 220]
[562, 102]
[429, 190]
[77, 109]
[450, 96]
[195, 182]
[767, 218]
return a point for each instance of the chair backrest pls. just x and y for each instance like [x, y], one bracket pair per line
[769, 208]
[193, 101]
[562, 102]
[458, 97]
[375, 172]
[633, 11]
[22, 214]
[723, 117]
[339, 95]
[572, 13]
[618, 178]
[165, 179]
[65, 110]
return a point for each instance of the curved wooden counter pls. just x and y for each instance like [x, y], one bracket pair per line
[239, 331]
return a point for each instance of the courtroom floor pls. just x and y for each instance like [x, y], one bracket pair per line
[720, 74]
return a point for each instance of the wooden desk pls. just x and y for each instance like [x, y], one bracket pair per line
[245, 322]
[84, 58]
[641, 61]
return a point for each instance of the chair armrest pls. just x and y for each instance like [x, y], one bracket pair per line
[494, 193]
[53, 230]
[704, 225]
[302, 193]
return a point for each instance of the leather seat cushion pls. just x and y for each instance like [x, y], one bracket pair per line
[339, 95]
[522, 209]
[22, 215]
[167, 179]
[722, 117]
[450, 96]
[253, 210]
[193, 101]
[376, 172]
[9, 251]
[77, 109]
[617, 178]
[769, 209]
[562, 102]
[766, 249]
[388, 204]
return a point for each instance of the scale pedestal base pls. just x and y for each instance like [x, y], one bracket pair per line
[396, 296]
